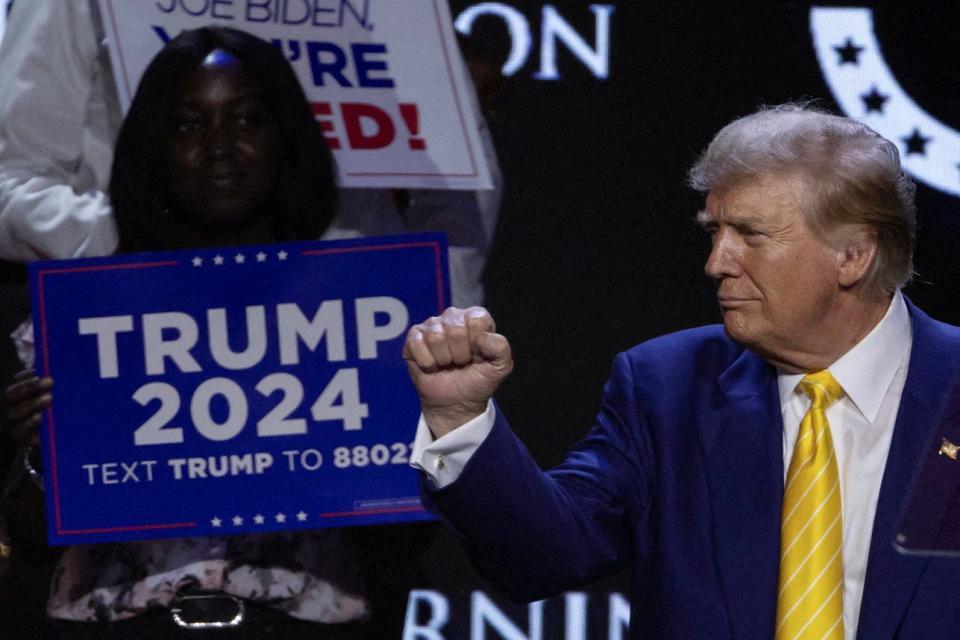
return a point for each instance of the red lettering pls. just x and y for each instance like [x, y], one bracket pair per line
[322, 113]
[355, 114]
[411, 118]
[367, 126]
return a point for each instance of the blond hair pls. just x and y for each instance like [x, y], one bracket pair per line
[854, 177]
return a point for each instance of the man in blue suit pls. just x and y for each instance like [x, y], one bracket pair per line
[750, 474]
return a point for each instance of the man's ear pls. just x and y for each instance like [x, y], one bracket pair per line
[858, 251]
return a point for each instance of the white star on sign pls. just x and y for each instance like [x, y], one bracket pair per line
[216, 521]
[261, 257]
[258, 519]
[237, 521]
[197, 261]
[218, 260]
[282, 254]
[239, 258]
[302, 517]
[280, 517]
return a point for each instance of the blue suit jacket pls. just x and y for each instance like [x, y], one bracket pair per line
[681, 479]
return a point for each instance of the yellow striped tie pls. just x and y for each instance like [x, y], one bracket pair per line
[810, 598]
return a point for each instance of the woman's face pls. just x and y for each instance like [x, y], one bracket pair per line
[223, 147]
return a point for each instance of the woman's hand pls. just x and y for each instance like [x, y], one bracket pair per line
[27, 398]
[22, 505]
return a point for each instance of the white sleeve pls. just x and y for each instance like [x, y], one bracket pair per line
[468, 217]
[443, 459]
[58, 121]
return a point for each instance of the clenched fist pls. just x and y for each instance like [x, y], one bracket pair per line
[456, 362]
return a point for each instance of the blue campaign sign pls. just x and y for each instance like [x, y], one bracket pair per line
[234, 390]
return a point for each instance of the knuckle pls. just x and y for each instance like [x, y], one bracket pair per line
[456, 329]
[435, 336]
[481, 322]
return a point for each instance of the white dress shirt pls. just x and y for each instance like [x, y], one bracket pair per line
[872, 375]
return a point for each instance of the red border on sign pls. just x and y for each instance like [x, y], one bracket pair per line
[441, 300]
[368, 512]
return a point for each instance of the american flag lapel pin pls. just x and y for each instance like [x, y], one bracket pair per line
[949, 449]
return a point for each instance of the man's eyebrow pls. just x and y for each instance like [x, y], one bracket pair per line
[704, 219]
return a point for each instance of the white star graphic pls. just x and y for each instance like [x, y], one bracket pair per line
[237, 521]
[282, 255]
[302, 517]
[218, 260]
[216, 522]
[239, 258]
[280, 517]
[258, 519]
[197, 261]
[261, 257]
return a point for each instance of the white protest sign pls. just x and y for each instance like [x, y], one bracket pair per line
[384, 77]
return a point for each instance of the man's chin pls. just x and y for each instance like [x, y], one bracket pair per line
[735, 327]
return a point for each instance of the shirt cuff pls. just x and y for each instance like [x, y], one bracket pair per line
[443, 459]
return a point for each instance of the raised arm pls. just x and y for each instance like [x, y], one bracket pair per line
[531, 533]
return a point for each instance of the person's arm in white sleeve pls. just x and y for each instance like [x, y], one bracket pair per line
[468, 217]
[58, 121]
[443, 459]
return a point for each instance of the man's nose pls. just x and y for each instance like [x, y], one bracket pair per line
[723, 261]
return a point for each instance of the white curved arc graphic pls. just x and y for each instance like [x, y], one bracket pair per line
[939, 166]
[516, 24]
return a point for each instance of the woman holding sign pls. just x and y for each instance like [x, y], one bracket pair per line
[219, 147]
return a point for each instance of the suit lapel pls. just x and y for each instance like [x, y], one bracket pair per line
[892, 577]
[742, 443]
